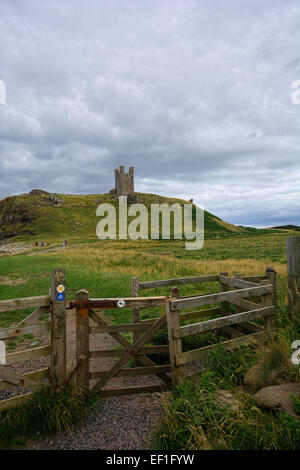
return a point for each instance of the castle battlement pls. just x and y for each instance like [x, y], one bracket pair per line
[124, 182]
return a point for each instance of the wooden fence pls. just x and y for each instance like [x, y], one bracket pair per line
[239, 326]
[253, 298]
[54, 325]
[175, 315]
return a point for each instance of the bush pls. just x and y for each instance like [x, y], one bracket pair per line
[46, 413]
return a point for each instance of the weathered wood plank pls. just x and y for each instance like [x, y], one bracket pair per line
[138, 302]
[118, 352]
[93, 330]
[40, 327]
[134, 371]
[25, 302]
[211, 325]
[37, 375]
[132, 390]
[175, 345]
[58, 354]
[135, 311]
[267, 301]
[199, 353]
[231, 332]
[20, 380]
[82, 340]
[200, 314]
[236, 282]
[177, 282]
[15, 402]
[251, 327]
[34, 316]
[271, 275]
[224, 288]
[27, 354]
[220, 297]
[255, 279]
[293, 268]
[245, 304]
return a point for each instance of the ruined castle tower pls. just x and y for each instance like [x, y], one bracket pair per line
[124, 182]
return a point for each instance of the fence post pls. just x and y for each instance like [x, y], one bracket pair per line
[267, 301]
[175, 345]
[293, 267]
[58, 355]
[135, 290]
[82, 339]
[224, 288]
[175, 292]
[271, 275]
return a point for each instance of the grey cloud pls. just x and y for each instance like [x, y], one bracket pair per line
[195, 95]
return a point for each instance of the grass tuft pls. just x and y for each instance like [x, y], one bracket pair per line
[47, 413]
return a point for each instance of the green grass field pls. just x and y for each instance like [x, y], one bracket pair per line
[105, 269]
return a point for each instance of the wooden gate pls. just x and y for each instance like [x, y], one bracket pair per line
[138, 349]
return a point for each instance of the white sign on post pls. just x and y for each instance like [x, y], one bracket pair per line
[2, 353]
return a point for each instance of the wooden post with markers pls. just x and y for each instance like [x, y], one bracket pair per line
[58, 355]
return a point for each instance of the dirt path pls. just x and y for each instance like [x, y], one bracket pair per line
[119, 422]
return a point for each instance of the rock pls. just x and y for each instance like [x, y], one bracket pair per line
[256, 378]
[226, 399]
[278, 396]
[34, 344]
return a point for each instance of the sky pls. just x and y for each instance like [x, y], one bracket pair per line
[196, 95]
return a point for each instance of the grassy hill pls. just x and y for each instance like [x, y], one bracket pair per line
[47, 216]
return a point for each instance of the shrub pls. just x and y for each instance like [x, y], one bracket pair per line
[46, 413]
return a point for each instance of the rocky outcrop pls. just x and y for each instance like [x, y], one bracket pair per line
[38, 192]
[49, 198]
[53, 200]
[278, 397]
[14, 213]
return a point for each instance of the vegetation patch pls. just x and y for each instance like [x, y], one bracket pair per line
[47, 413]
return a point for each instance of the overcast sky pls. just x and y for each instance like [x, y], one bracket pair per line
[195, 94]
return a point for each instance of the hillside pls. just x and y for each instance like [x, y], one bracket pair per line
[49, 216]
